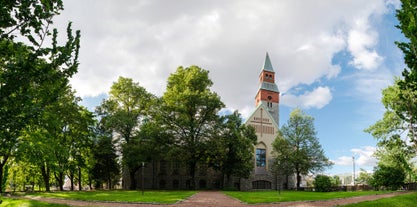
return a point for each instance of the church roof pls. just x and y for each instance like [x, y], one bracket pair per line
[263, 107]
[267, 64]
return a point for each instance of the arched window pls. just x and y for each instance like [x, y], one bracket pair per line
[260, 157]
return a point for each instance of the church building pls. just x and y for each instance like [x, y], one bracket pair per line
[169, 174]
[265, 120]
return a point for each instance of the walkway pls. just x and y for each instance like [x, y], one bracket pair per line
[218, 199]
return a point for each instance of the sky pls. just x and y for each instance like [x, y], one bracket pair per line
[332, 58]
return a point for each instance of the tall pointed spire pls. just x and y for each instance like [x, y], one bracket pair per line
[267, 64]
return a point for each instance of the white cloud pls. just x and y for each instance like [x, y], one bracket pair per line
[318, 98]
[363, 157]
[148, 40]
[361, 44]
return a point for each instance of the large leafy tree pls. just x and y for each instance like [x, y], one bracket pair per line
[189, 113]
[232, 151]
[400, 101]
[301, 151]
[31, 73]
[60, 140]
[123, 113]
[407, 109]
[105, 167]
[388, 176]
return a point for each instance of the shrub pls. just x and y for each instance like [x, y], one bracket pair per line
[322, 183]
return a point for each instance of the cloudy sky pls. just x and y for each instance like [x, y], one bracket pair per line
[331, 57]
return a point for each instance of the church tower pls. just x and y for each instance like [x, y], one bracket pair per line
[268, 93]
[264, 120]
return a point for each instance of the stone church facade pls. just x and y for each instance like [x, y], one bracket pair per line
[265, 120]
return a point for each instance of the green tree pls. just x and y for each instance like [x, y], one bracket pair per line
[400, 100]
[336, 181]
[388, 176]
[407, 110]
[105, 168]
[322, 183]
[57, 142]
[189, 113]
[123, 113]
[232, 151]
[31, 74]
[281, 152]
[364, 178]
[301, 151]
[392, 149]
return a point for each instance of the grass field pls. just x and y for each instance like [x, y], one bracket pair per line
[253, 197]
[26, 203]
[163, 197]
[397, 201]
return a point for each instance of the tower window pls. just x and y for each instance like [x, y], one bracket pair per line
[260, 157]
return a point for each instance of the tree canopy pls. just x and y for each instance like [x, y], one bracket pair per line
[298, 148]
[32, 75]
[396, 132]
[190, 113]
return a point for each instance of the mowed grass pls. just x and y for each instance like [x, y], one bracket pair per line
[253, 197]
[406, 200]
[162, 197]
[9, 202]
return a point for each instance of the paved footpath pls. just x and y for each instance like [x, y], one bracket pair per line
[218, 199]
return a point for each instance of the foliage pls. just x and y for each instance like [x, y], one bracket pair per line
[405, 200]
[232, 151]
[393, 150]
[31, 74]
[364, 178]
[298, 148]
[322, 183]
[335, 181]
[162, 197]
[388, 176]
[105, 168]
[407, 109]
[58, 142]
[253, 197]
[189, 114]
[123, 113]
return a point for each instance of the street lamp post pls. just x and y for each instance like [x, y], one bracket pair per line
[143, 179]
[353, 177]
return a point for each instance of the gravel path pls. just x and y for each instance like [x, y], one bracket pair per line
[218, 199]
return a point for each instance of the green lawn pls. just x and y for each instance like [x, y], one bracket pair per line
[397, 201]
[253, 197]
[27, 203]
[163, 197]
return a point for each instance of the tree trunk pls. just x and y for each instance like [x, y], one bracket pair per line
[1, 177]
[2, 164]
[109, 183]
[72, 180]
[229, 183]
[60, 178]
[192, 175]
[133, 184]
[298, 180]
[45, 175]
[79, 179]
[287, 180]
